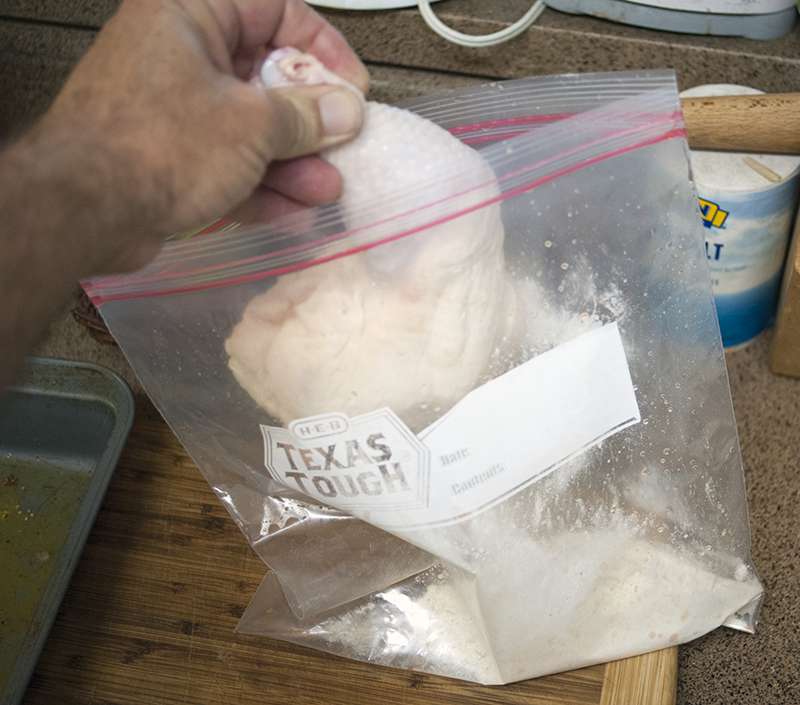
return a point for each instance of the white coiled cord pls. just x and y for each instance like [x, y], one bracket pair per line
[479, 40]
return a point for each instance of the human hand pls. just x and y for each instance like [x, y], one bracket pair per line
[179, 135]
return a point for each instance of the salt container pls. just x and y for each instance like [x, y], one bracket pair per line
[748, 203]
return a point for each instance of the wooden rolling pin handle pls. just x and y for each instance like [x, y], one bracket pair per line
[768, 123]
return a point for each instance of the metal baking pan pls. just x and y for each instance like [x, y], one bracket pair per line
[62, 429]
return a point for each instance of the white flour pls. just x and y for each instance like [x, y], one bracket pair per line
[580, 307]
[603, 595]
[425, 624]
[542, 607]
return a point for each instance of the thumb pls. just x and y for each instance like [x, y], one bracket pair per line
[306, 119]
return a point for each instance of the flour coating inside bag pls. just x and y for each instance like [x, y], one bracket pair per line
[414, 325]
[595, 591]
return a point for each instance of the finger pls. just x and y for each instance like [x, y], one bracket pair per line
[267, 206]
[301, 120]
[293, 23]
[246, 63]
[308, 180]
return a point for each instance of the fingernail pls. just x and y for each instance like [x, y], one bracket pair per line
[340, 112]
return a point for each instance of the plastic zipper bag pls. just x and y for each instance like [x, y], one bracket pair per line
[475, 417]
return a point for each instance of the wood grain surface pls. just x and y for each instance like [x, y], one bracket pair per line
[744, 123]
[785, 349]
[651, 678]
[151, 611]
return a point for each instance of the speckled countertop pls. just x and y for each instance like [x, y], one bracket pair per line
[41, 40]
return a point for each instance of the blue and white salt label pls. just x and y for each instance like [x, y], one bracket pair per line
[746, 240]
[496, 441]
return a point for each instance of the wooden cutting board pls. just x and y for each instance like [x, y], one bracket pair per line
[784, 356]
[151, 612]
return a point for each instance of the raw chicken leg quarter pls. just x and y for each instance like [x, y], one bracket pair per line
[413, 324]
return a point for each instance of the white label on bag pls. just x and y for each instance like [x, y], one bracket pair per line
[498, 439]
[370, 463]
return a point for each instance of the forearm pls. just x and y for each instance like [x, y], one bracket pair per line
[66, 214]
